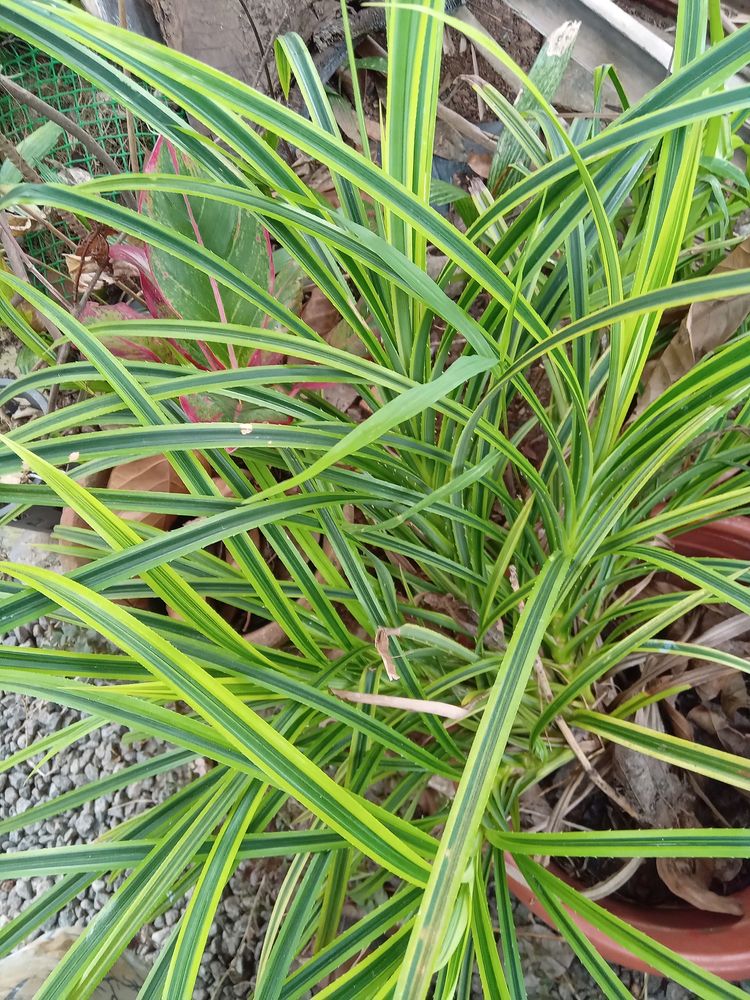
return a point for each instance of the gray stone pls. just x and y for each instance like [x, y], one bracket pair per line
[61, 782]
[159, 937]
[84, 825]
[230, 939]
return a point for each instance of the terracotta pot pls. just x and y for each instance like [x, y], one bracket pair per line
[69, 518]
[727, 539]
[714, 941]
[152, 474]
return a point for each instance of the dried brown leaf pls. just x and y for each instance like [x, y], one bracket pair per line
[70, 519]
[648, 784]
[734, 696]
[270, 635]
[340, 395]
[654, 788]
[712, 720]
[441, 708]
[344, 338]
[381, 644]
[319, 314]
[443, 785]
[711, 688]
[448, 605]
[727, 869]
[480, 163]
[680, 725]
[706, 326]
[346, 119]
[689, 878]
[22, 221]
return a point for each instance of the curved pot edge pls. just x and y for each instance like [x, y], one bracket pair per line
[720, 945]
[717, 943]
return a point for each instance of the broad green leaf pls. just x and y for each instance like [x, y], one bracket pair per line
[235, 236]
[34, 148]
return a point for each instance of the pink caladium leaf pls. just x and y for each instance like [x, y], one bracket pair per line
[234, 235]
[204, 407]
[177, 289]
[156, 349]
[157, 305]
[98, 312]
[137, 256]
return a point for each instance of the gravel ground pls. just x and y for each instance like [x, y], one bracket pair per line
[552, 973]
[237, 933]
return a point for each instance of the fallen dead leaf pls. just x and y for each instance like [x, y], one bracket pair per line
[706, 326]
[655, 789]
[319, 314]
[712, 720]
[680, 725]
[441, 708]
[726, 869]
[118, 271]
[22, 221]
[443, 785]
[270, 635]
[70, 519]
[734, 696]
[480, 163]
[689, 878]
[381, 644]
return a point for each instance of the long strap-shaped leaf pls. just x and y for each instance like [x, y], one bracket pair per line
[25, 607]
[701, 843]
[701, 983]
[201, 910]
[696, 572]
[363, 245]
[108, 934]
[458, 841]
[102, 786]
[716, 764]
[277, 758]
[165, 581]
[292, 934]
[678, 100]
[612, 986]
[658, 112]
[157, 65]
[351, 942]
[150, 412]
[172, 588]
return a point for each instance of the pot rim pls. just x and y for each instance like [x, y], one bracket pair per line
[717, 942]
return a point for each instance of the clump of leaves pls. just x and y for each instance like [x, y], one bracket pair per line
[448, 606]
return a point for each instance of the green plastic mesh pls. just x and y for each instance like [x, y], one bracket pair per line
[102, 118]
